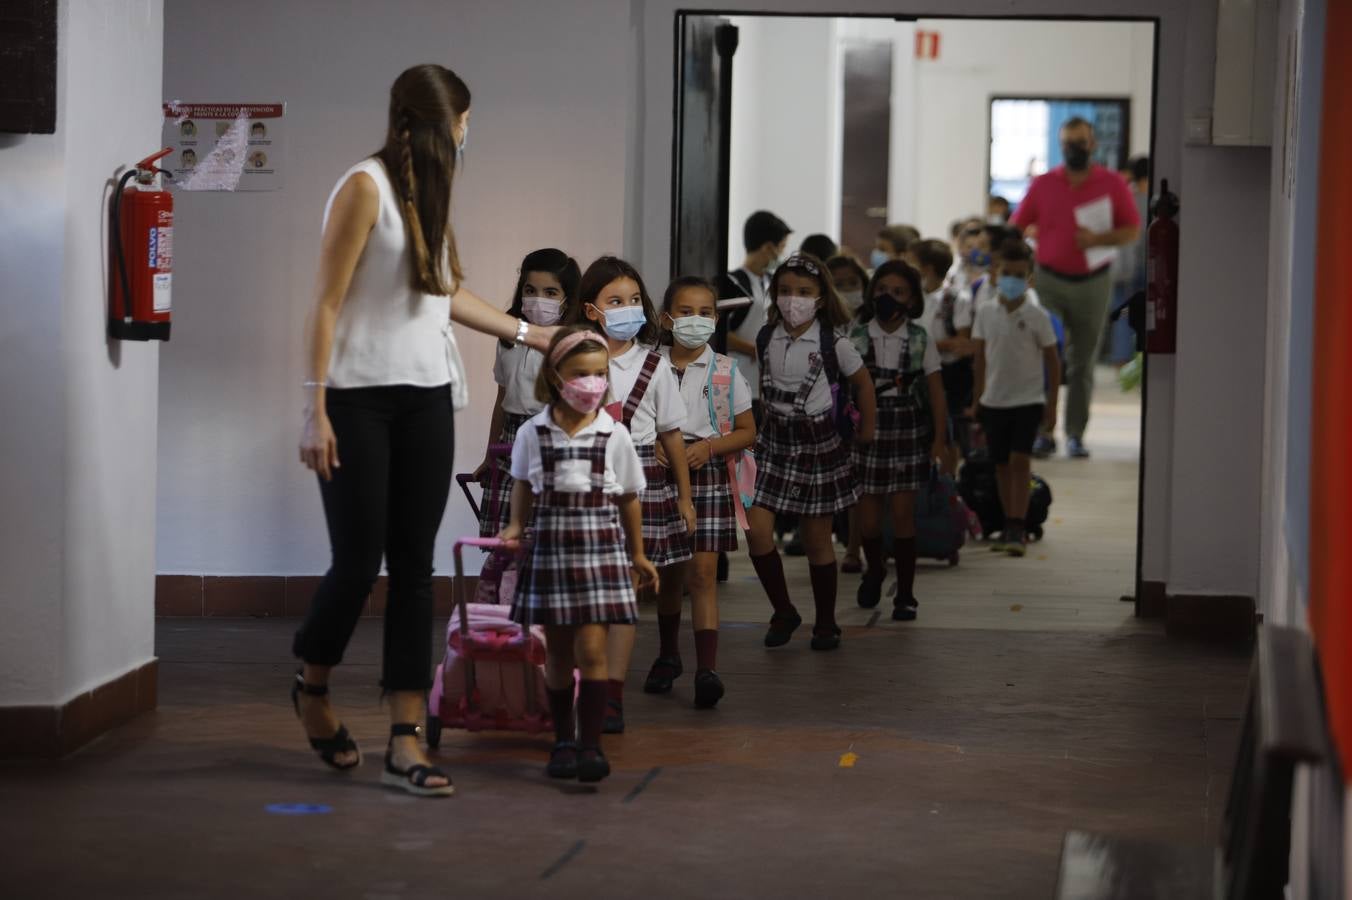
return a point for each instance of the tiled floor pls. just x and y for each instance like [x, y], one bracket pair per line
[941, 759]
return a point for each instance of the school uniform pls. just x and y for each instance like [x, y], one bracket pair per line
[948, 312]
[515, 370]
[1015, 393]
[711, 488]
[648, 402]
[803, 467]
[898, 362]
[576, 570]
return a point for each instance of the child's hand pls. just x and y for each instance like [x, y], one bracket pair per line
[645, 574]
[661, 453]
[511, 535]
[687, 510]
[697, 454]
[864, 436]
[1049, 420]
[940, 449]
[481, 473]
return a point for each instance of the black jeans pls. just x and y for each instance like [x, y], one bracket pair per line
[395, 447]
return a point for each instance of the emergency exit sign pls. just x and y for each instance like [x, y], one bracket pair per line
[927, 45]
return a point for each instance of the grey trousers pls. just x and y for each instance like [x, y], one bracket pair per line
[1082, 307]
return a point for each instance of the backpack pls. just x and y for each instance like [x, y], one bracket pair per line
[981, 493]
[742, 465]
[843, 411]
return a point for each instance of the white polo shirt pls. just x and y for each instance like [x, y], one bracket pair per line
[516, 368]
[1014, 360]
[935, 325]
[789, 360]
[661, 409]
[888, 347]
[624, 472]
[695, 393]
[751, 326]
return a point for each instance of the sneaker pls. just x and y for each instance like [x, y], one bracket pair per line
[1075, 448]
[562, 760]
[782, 629]
[1044, 446]
[708, 689]
[592, 765]
[999, 544]
[870, 592]
[1016, 548]
[824, 640]
[906, 610]
[614, 722]
[665, 670]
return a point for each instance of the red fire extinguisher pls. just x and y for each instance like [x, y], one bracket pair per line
[141, 255]
[1161, 312]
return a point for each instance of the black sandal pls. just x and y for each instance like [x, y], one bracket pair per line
[414, 778]
[327, 748]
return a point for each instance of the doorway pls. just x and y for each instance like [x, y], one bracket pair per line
[842, 125]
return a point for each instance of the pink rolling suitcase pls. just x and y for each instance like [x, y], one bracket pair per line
[492, 678]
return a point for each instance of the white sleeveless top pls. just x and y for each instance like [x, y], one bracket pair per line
[389, 333]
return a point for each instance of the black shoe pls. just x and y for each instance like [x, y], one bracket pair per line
[327, 748]
[614, 723]
[905, 611]
[591, 765]
[563, 760]
[722, 576]
[870, 592]
[708, 689]
[665, 670]
[413, 779]
[826, 640]
[782, 629]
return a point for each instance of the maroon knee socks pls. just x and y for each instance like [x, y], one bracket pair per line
[824, 596]
[669, 635]
[561, 709]
[770, 571]
[591, 711]
[905, 549]
[706, 648]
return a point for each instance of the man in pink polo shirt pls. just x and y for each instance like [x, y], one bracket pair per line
[1078, 213]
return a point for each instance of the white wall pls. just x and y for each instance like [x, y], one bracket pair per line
[79, 484]
[786, 127]
[547, 165]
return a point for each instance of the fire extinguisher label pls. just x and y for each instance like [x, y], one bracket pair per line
[160, 297]
[161, 249]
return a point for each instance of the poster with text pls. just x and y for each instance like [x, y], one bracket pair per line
[224, 146]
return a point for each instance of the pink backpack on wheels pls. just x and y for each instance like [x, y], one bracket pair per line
[492, 678]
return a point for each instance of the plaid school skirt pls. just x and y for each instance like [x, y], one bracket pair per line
[897, 460]
[495, 509]
[715, 515]
[665, 540]
[802, 466]
[576, 570]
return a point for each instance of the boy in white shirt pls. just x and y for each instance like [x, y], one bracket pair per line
[1018, 374]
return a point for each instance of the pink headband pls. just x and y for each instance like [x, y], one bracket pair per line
[562, 348]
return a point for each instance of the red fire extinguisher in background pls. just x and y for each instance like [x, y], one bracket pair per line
[141, 254]
[1161, 310]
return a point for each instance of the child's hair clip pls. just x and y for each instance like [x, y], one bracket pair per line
[802, 262]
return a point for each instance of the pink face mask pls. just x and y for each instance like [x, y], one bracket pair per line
[797, 310]
[585, 392]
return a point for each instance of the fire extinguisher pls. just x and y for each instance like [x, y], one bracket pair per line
[141, 254]
[1161, 313]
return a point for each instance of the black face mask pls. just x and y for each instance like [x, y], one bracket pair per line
[1076, 156]
[888, 307]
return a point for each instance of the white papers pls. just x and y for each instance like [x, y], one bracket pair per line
[1097, 216]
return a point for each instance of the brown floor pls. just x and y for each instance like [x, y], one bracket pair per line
[1025, 702]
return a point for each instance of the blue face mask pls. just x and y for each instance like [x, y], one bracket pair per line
[877, 258]
[979, 258]
[1012, 287]
[625, 322]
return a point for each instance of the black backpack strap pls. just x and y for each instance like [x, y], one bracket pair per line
[830, 363]
[762, 348]
[742, 282]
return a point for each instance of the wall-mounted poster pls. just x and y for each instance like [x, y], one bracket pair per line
[224, 146]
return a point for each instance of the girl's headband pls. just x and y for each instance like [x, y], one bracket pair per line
[802, 262]
[563, 347]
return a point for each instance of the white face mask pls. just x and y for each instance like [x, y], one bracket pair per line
[852, 300]
[797, 311]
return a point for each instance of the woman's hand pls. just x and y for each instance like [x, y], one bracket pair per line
[645, 574]
[687, 511]
[698, 454]
[538, 337]
[319, 446]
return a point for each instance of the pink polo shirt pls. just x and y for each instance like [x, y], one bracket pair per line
[1050, 205]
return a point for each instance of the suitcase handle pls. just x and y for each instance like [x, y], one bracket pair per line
[458, 589]
[465, 479]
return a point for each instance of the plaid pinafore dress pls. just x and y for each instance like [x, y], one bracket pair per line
[576, 571]
[802, 465]
[896, 460]
[665, 540]
[495, 511]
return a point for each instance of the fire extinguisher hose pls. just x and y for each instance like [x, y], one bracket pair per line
[119, 253]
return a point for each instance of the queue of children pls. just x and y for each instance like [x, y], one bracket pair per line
[625, 458]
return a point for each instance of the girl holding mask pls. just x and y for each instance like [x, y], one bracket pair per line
[544, 294]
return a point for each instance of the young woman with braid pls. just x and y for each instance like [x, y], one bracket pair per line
[383, 377]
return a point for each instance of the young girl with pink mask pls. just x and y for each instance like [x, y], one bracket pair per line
[578, 480]
[545, 294]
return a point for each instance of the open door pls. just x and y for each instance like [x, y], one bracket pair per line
[699, 243]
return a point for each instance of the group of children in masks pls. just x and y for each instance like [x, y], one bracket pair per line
[627, 468]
